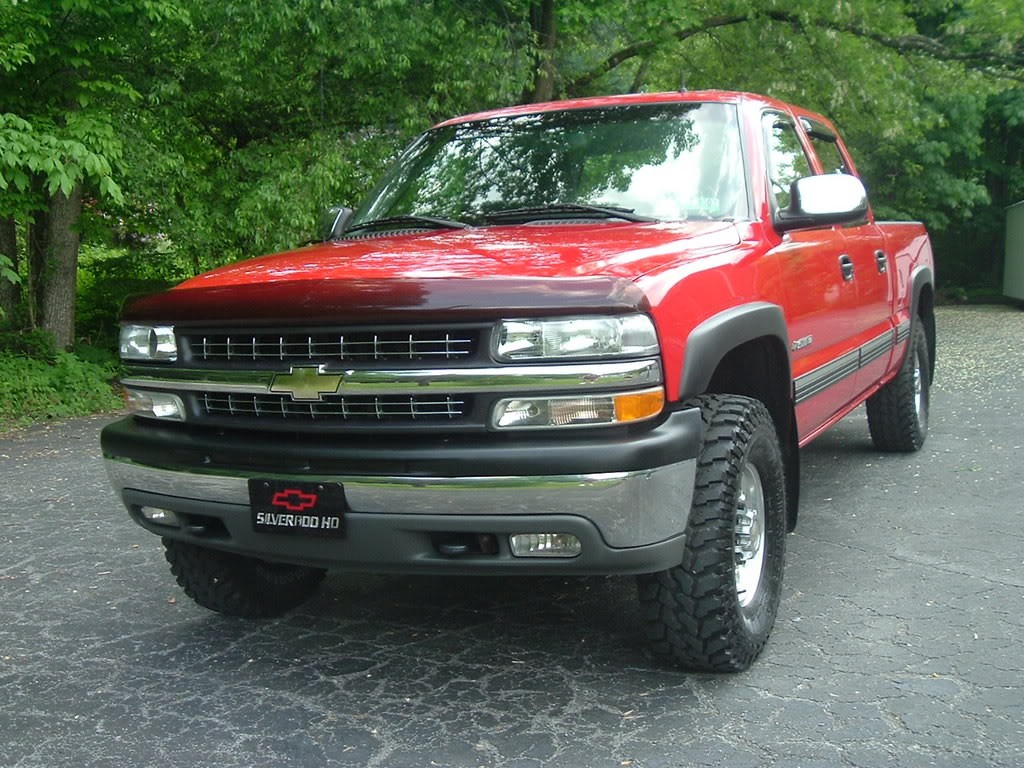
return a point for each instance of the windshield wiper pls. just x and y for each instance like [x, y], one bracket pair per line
[566, 210]
[408, 220]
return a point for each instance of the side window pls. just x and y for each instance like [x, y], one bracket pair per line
[826, 147]
[787, 161]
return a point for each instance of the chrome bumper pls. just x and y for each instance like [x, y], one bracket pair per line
[629, 509]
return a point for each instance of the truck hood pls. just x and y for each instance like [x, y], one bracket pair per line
[545, 269]
[575, 250]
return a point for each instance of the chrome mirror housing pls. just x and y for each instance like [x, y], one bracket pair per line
[818, 201]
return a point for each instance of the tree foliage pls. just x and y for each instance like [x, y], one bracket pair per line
[65, 69]
[64, 76]
[203, 132]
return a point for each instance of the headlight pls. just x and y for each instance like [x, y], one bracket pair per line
[576, 337]
[148, 342]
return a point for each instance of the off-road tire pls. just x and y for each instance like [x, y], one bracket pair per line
[898, 412]
[693, 612]
[239, 586]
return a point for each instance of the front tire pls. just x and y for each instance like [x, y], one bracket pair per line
[715, 610]
[237, 585]
[898, 412]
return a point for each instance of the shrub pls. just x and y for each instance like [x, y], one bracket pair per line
[31, 389]
[36, 343]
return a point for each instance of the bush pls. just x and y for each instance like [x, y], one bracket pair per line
[37, 343]
[31, 389]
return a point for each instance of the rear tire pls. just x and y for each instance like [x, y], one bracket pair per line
[898, 412]
[237, 585]
[715, 610]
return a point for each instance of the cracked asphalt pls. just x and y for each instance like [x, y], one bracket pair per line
[898, 641]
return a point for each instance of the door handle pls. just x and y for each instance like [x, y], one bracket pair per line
[846, 267]
[880, 261]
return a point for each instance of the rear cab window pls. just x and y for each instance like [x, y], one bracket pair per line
[825, 143]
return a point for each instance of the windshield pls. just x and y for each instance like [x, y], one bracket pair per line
[666, 161]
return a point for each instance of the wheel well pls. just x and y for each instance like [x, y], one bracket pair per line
[760, 369]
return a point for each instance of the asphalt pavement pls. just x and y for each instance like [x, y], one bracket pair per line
[898, 642]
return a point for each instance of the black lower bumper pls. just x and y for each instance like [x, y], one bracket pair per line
[675, 438]
[421, 506]
[410, 543]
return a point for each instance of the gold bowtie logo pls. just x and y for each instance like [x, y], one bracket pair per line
[306, 383]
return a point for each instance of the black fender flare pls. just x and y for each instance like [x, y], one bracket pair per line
[709, 343]
[706, 348]
[922, 276]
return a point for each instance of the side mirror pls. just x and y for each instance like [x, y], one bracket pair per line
[334, 222]
[819, 201]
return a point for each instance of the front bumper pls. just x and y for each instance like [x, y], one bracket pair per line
[626, 498]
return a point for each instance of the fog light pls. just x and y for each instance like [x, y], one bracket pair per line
[159, 516]
[545, 545]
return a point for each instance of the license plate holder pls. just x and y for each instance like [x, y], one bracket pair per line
[286, 507]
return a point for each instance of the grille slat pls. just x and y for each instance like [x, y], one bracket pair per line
[352, 346]
[352, 409]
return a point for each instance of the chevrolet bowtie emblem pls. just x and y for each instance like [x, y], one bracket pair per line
[306, 383]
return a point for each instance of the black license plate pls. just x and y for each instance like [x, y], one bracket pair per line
[306, 509]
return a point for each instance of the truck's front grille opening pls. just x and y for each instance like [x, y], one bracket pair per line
[333, 346]
[393, 408]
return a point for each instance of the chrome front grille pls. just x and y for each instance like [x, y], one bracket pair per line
[223, 357]
[336, 408]
[325, 346]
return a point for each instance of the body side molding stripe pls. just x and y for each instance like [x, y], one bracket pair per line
[903, 332]
[817, 381]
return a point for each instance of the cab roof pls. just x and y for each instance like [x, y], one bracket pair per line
[668, 97]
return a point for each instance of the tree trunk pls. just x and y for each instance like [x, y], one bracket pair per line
[60, 270]
[35, 248]
[9, 292]
[542, 19]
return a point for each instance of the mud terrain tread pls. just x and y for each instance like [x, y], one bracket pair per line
[690, 611]
[892, 413]
[236, 585]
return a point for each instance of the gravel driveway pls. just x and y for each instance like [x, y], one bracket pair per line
[898, 641]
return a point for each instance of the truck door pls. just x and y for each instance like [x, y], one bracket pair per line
[822, 304]
[873, 269]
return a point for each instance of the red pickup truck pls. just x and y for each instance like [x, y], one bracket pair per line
[585, 337]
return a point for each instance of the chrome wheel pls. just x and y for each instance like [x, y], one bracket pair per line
[749, 537]
[920, 393]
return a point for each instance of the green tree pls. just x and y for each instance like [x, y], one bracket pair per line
[920, 89]
[196, 133]
[65, 68]
[272, 111]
